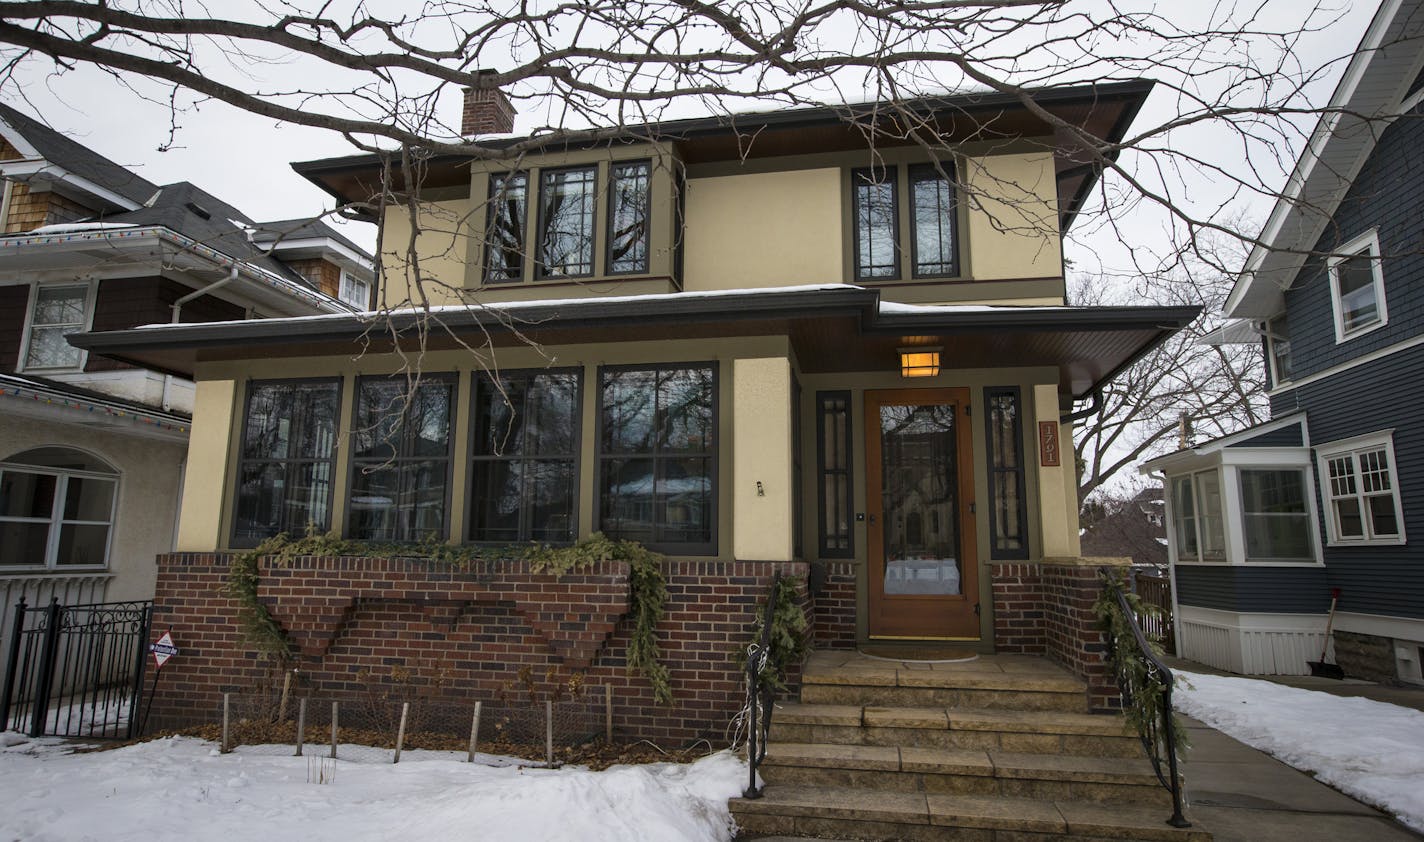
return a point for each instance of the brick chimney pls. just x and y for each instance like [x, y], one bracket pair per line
[487, 111]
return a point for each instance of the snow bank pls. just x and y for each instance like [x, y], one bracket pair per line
[182, 789]
[1367, 749]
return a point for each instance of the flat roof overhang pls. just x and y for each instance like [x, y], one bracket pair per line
[833, 328]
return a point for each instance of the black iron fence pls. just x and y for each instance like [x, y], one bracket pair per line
[76, 670]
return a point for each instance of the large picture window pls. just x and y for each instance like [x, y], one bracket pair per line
[1007, 518]
[658, 456]
[56, 509]
[400, 458]
[287, 459]
[833, 452]
[524, 468]
[56, 312]
[1274, 516]
[1361, 491]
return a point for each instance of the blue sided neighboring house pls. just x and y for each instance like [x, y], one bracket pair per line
[1328, 495]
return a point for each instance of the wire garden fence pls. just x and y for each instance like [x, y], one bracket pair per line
[378, 729]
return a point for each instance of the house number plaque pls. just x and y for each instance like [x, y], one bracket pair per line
[1048, 455]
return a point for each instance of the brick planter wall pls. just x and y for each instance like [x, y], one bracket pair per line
[1047, 609]
[833, 609]
[357, 619]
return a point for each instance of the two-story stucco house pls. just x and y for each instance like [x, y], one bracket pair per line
[752, 344]
[1269, 522]
[92, 450]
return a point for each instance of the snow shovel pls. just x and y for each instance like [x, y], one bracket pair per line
[1319, 668]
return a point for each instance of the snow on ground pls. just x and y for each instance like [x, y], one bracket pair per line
[1367, 749]
[183, 789]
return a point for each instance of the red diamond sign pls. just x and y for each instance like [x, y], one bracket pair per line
[163, 649]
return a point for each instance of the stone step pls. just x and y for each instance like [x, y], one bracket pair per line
[1039, 732]
[965, 771]
[916, 688]
[848, 813]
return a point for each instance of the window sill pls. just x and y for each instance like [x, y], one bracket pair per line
[1342, 337]
[1373, 542]
[33, 570]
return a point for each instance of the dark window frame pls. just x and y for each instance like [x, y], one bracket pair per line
[822, 399]
[713, 455]
[936, 171]
[608, 234]
[1019, 473]
[541, 268]
[868, 175]
[576, 435]
[237, 542]
[489, 247]
[798, 477]
[355, 462]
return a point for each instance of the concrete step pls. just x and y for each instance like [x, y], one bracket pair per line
[1040, 732]
[965, 771]
[850, 813]
[1030, 684]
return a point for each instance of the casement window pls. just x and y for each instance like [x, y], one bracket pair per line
[566, 211]
[56, 510]
[524, 458]
[508, 213]
[629, 196]
[1197, 517]
[1361, 490]
[355, 291]
[56, 312]
[400, 458]
[1275, 518]
[834, 537]
[1007, 517]
[1278, 348]
[925, 227]
[657, 452]
[1357, 287]
[287, 460]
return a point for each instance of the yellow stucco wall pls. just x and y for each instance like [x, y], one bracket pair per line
[764, 230]
[206, 480]
[761, 459]
[1011, 203]
[1057, 487]
[444, 246]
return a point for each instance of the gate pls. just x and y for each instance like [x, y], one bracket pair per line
[1155, 590]
[76, 670]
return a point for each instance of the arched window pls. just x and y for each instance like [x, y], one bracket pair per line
[56, 509]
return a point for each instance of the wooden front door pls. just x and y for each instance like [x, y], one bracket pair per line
[920, 523]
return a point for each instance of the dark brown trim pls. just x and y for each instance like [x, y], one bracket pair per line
[934, 282]
[848, 451]
[991, 392]
[541, 268]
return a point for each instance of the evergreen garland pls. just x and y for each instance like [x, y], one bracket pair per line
[787, 642]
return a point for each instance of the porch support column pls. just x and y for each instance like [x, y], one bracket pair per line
[1057, 485]
[761, 459]
[205, 477]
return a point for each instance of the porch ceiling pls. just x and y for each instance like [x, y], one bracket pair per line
[833, 328]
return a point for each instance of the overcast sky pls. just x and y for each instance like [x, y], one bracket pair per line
[245, 159]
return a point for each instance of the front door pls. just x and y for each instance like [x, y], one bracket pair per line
[920, 523]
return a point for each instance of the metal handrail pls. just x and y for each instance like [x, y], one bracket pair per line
[1158, 739]
[760, 694]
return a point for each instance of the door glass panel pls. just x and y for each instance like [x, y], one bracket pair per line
[919, 498]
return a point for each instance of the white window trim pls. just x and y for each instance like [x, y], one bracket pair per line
[56, 519]
[21, 364]
[1367, 242]
[341, 282]
[1383, 439]
[1276, 379]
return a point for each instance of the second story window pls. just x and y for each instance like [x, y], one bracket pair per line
[57, 311]
[355, 291]
[1357, 287]
[1279, 347]
[504, 240]
[925, 227]
[628, 218]
[566, 211]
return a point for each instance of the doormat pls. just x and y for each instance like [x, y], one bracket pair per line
[927, 653]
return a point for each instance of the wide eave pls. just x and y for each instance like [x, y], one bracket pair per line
[832, 328]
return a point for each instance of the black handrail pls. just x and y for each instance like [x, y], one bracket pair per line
[760, 693]
[1158, 739]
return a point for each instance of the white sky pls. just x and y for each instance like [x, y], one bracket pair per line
[244, 159]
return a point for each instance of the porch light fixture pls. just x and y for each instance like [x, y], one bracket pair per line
[919, 362]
